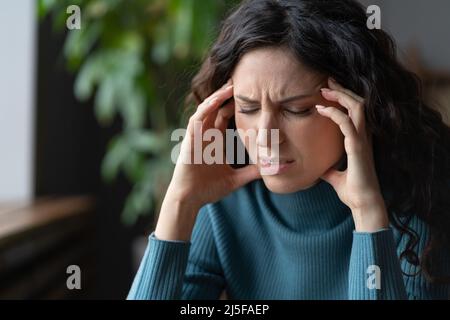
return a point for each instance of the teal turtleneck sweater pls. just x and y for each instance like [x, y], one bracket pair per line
[256, 244]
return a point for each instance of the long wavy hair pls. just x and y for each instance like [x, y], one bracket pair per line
[411, 143]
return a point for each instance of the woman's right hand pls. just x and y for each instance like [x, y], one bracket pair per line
[194, 185]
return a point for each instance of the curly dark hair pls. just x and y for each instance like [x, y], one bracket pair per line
[411, 143]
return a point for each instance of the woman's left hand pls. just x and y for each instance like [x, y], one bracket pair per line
[358, 185]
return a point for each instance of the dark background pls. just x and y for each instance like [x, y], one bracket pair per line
[69, 148]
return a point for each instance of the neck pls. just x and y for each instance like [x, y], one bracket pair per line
[314, 209]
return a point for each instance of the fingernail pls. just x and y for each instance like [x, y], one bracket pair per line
[229, 87]
[226, 84]
[320, 107]
[334, 82]
[325, 90]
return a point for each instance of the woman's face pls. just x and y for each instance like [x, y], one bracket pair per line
[265, 82]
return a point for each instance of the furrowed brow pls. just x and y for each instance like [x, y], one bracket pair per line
[286, 100]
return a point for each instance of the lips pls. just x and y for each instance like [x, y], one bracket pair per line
[275, 167]
[267, 162]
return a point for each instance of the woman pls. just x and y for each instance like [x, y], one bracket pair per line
[357, 205]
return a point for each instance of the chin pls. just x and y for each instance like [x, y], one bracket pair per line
[278, 184]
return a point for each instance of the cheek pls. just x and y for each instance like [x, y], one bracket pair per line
[241, 121]
[335, 104]
[247, 126]
[330, 142]
[318, 140]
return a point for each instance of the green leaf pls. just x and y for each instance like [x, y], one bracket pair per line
[79, 42]
[117, 153]
[140, 200]
[133, 109]
[97, 9]
[130, 59]
[104, 101]
[131, 41]
[44, 7]
[146, 141]
[88, 76]
[134, 166]
[161, 49]
[183, 28]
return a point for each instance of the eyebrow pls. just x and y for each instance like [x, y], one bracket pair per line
[290, 99]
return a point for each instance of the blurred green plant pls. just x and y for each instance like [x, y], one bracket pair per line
[134, 58]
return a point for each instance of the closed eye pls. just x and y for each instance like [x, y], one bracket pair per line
[248, 111]
[302, 112]
[298, 112]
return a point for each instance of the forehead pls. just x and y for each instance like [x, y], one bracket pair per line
[274, 68]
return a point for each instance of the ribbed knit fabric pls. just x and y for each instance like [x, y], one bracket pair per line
[256, 244]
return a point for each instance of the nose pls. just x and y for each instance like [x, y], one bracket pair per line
[269, 133]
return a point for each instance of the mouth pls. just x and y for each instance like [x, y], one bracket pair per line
[273, 166]
[268, 162]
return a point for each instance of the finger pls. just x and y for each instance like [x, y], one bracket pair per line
[354, 107]
[220, 116]
[195, 123]
[210, 105]
[212, 102]
[341, 119]
[218, 91]
[333, 177]
[353, 145]
[336, 86]
[210, 119]
[228, 83]
[224, 115]
[244, 175]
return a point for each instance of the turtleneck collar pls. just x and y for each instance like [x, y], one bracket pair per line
[315, 209]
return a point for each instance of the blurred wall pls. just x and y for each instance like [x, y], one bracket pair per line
[17, 47]
[425, 24]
